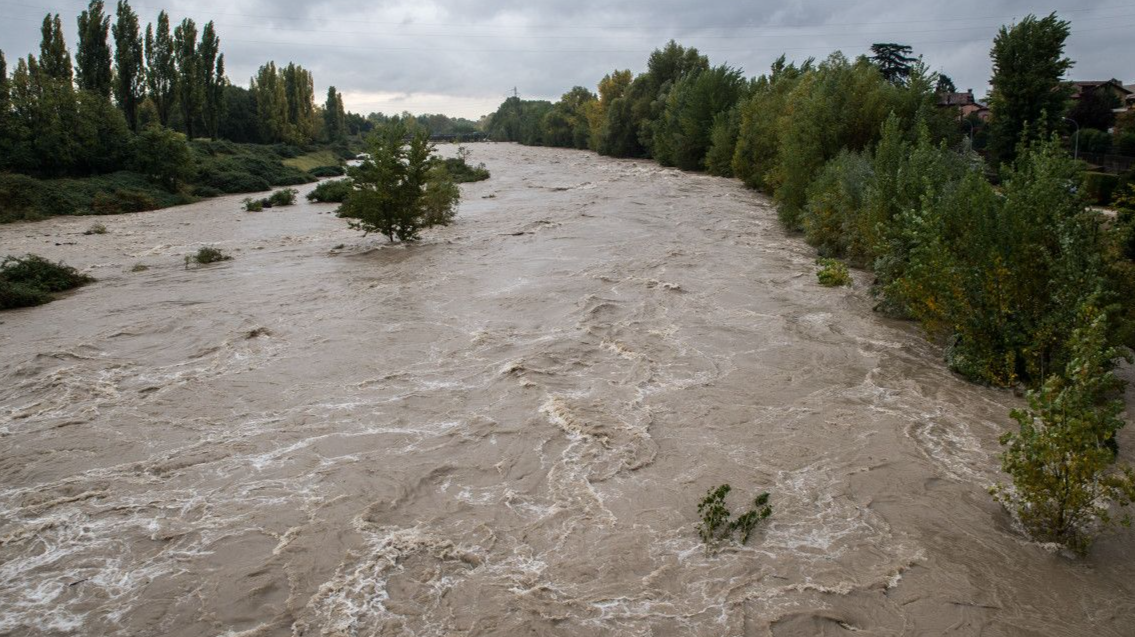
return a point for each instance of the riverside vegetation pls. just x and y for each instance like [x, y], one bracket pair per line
[32, 280]
[146, 118]
[1022, 283]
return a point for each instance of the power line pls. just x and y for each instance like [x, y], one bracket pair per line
[466, 25]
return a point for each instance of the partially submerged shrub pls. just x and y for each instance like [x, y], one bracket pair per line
[716, 525]
[207, 255]
[461, 171]
[285, 197]
[97, 228]
[328, 171]
[335, 191]
[833, 273]
[30, 280]
[1062, 459]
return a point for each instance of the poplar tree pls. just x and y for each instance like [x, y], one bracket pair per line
[334, 117]
[54, 60]
[161, 68]
[93, 55]
[271, 103]
[1029, 92]
[5, 116]
[212, 72]
[130, 79]
[299, 89]
[190, 92]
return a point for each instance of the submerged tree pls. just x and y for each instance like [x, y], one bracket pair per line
[398, 190]
[1061, 460]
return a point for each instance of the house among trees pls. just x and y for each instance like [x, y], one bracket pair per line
[1100, 88]
[964, 103]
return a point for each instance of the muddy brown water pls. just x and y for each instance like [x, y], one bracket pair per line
[504, 430]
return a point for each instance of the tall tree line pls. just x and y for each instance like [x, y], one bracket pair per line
[64, 115]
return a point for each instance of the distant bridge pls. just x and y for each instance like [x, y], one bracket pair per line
[459, 137]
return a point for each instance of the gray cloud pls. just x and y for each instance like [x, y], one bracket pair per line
[462, 57]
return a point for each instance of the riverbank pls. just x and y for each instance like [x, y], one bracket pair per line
[219, 167]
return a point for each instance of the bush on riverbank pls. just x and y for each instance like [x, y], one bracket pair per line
[24, 198]
[1062, 459]
[219, 168]
[32, 280]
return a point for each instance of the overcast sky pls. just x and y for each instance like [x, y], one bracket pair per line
[462, 57]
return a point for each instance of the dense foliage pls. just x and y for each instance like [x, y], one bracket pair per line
[400, 188]
[31, 280]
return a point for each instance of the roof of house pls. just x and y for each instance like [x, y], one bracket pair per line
[1083, 85]
[955, 99]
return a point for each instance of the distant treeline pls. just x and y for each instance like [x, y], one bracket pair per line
[870, 168]
[74, 117]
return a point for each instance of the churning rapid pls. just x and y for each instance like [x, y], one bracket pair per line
[504, 430]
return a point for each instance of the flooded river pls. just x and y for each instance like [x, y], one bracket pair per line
[504, 430]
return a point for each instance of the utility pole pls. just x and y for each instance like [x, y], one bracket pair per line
[515, 93]
[1076, 154]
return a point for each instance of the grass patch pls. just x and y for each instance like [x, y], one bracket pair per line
[833, 273]
[31, 280]
[312, 161]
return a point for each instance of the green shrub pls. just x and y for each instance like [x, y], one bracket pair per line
[327, 171]
[231, 182]
[1099, 187]
[30, 280]
[716, 525]
[97, 228]
[207, 255]
[461, 171]
[833, 273]
[13, 295]
[835, 203]
[206, 191]
[253, 205]
[121, 201]
[1095, 141]
[335, 191]
[1061, 458]
[285, 197]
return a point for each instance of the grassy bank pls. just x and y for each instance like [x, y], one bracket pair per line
[219, 167]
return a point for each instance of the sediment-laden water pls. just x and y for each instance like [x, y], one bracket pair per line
[504, 430]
